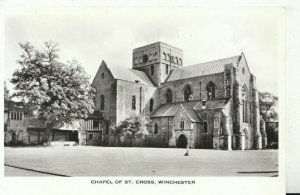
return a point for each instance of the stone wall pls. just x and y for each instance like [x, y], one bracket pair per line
[177, 87]
[142, 93]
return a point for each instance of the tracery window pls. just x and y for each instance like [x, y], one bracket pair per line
[245, 104]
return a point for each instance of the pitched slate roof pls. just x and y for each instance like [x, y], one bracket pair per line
[189, 107]
[213, 104]
[202, 69]
[131, 75]
[173, 109]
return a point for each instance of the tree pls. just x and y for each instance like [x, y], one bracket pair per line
[132, 127]
[268, 106]
[59, 92]
[6, 92]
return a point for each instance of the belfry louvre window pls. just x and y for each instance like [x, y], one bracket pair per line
[133, 103]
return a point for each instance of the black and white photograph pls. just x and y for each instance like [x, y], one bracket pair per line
[159, 95]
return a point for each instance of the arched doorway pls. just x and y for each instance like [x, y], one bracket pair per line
[181, 141]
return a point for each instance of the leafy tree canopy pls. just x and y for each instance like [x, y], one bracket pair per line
[268, 106]
[59, 92]
[133, 126]
[6, 92]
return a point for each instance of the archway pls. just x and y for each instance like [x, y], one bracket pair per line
[181, 141]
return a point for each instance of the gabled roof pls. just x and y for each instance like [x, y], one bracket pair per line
[189, 107]
[202, 69]
[173, 109]
[130, 75]
[213, 104]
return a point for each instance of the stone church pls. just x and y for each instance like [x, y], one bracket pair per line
[208, 105]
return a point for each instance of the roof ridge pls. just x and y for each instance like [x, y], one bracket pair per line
[207, 62]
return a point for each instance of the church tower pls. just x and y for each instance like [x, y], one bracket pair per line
[157, 60]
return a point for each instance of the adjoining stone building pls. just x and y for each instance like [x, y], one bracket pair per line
[207, 105]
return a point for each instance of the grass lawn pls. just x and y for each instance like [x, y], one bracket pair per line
[110, 161]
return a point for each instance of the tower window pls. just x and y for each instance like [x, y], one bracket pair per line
[151, 105]
[167, 69]
[152, 70]
[102, 75]
[211, 90]
[165, 55]
[180, 61]
[133, 103]
[169, 57]
[243, 70]
[187, 93]
[176, 60]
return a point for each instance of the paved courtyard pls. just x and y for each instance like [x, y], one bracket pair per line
[110, 161]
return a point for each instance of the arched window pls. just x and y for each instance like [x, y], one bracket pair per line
[152, 70]
[102, 102]
[155, 128]
[133, 102]
[169, 57]
[245, 105]
[181, 124]
[165, 55]
[205, 127]
[180, 61]
[151, 105]
[211, 90]
[176, 60]
[169, 96]
[187, 93]
[167, 69]
[145, 58]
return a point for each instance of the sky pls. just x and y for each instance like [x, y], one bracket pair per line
[111, 33]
